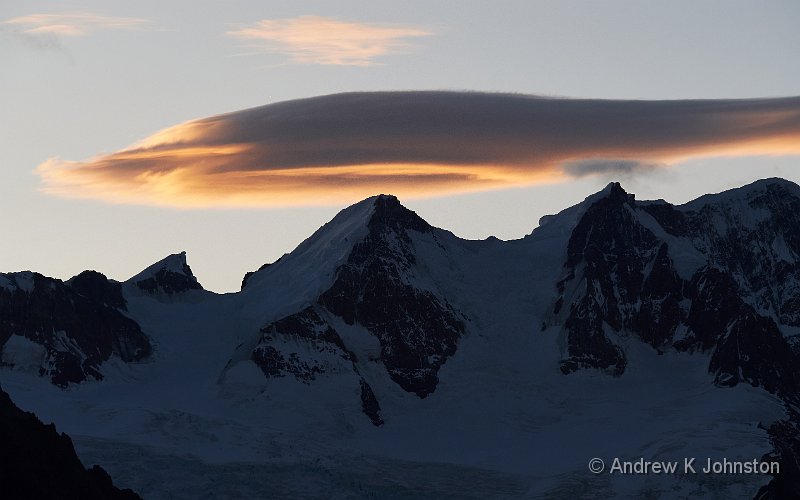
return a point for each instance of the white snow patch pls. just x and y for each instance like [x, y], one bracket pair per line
[23, 354]
[298, 278]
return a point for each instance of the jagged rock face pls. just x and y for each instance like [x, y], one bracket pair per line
[273, 351]
[756, 239]
[785, 438]
[37, 462]
[621, 281]
[100, 289]
[76, 327]
[369, 403]
[417, 330]
[748, 347]
[306, 347]
[618, 277]
[168, 282]
[169, 277]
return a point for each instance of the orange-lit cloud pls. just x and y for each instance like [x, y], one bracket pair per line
[323, 40]
[71, 23]
[344, 147]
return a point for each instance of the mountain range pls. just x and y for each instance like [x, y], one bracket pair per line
[387, 358]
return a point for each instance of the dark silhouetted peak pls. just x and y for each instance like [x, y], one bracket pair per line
[417, 328]
[170, 276]
[614, 192]
[389, 213]
[100, 289]
[38, 462]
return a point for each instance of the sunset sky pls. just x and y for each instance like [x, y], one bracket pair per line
[233, 130]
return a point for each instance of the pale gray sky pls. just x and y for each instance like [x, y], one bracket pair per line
[79, 79]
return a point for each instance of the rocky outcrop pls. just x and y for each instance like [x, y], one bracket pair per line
[621, 280]
[306, 347]
[71, 327]
[618, 278]
[100, 289]
[785, 438]
[417, 328]
[302, 331]
[38, 462]
[169, 276]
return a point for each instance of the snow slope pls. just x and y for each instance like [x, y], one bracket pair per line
[200, 418]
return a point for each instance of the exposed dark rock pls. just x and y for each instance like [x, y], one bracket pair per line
[785, 438]
[100, 289]
[748, 347]
[668, 217]
[417, 330]
[369, 404]
[756, 239]
[607, 257]
[659, 313]
[38, 462]
[619, 278]
[170, 276]
[715, 303]
[317, 335]
[277, 354]
[78, 332]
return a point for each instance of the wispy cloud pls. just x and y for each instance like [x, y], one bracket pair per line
[324, 40]
[609, 167]
[344, 147]
[71, 23]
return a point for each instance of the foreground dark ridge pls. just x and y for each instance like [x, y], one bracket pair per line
[38, 462]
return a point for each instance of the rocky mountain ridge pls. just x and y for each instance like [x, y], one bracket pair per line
[379, 314]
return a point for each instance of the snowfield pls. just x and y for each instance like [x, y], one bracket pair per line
[199, 419]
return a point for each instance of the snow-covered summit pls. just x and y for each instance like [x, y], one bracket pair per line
[170, 275]
[310, 267]
[769, 186]
[382, 336]
[565, 221]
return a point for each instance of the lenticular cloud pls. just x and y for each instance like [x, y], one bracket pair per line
[348, 146]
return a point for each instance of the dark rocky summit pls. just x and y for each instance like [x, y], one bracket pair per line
[374, 289]
[621, 280]
[418, 329]
[170, 276]
[98, 288]
[78, 324]
[36, 462]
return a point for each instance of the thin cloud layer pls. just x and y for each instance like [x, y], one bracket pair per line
[601, 166]
[344, 147]
[323, 40]
[71, 24]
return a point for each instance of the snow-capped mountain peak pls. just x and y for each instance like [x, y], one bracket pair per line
[381, 335]
[329, 246]
[169, 276]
